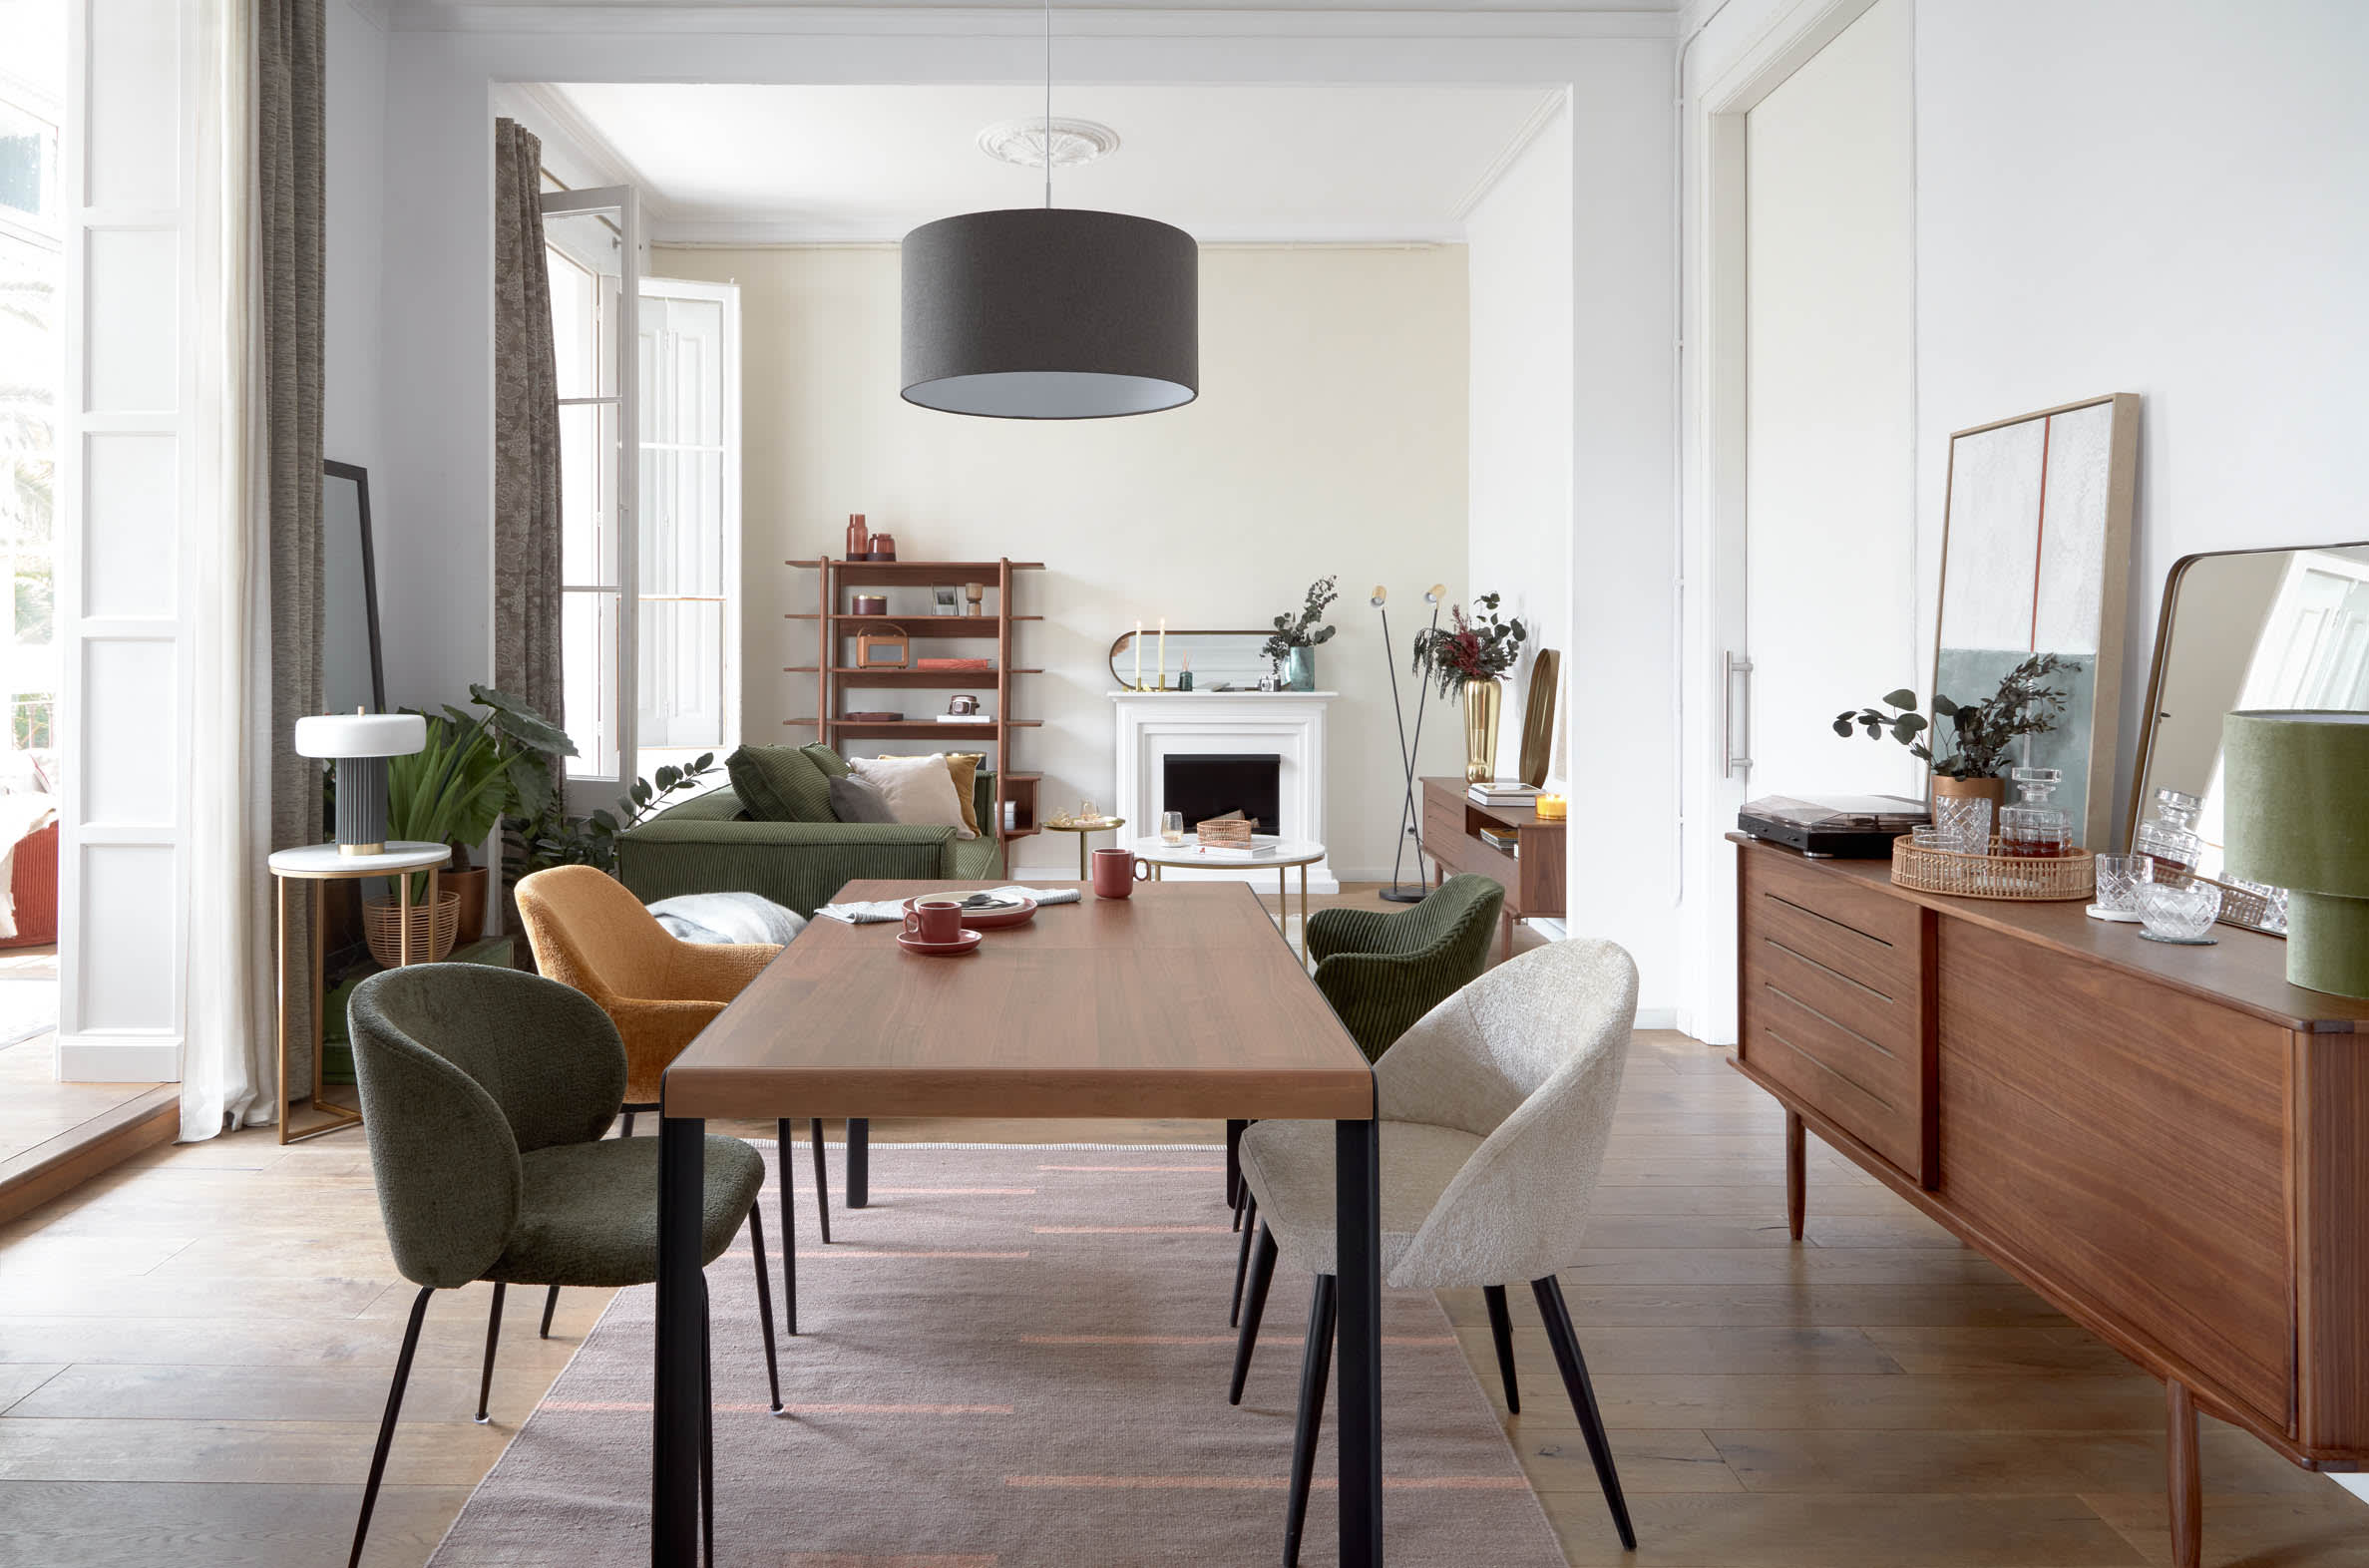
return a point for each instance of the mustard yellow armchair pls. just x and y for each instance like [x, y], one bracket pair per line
[588, 932]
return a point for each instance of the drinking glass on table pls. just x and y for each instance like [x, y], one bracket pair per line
[1172, 827]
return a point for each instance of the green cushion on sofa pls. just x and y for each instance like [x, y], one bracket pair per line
[780, 784]
[834, 765]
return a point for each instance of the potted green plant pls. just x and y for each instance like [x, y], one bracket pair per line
[550, 836]
[1982, 734]
[1471, 657]
[1294, 645]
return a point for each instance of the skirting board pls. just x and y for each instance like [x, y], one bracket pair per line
[92, 1057]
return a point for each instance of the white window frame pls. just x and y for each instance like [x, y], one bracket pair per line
[727, 295]
[586, 791]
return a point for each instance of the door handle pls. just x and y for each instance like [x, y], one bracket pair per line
[1731, 667]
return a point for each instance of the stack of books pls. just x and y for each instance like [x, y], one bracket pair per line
[1256, 849]
[1498, 838]
[1503, 792]
[954, 663]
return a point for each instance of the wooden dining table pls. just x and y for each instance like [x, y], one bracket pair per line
[1183, 1000]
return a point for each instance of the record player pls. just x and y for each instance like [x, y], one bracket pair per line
[1838, 826]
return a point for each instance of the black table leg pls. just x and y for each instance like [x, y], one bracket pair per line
[1234, 1131]
[678, 1376]
[858, 1161]
[1357, 1153]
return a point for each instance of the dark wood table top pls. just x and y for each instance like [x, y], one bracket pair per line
[1182, 1000]
[2242, 969]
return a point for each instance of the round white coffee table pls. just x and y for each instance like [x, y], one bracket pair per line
[1286, 854]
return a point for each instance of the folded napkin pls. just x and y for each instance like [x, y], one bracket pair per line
[868, 912]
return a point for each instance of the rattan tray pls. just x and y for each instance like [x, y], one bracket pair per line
[1994, 876]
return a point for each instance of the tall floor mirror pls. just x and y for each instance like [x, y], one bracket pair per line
[2250, 629]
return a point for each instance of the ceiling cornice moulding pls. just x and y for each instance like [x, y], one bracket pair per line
[432, 16]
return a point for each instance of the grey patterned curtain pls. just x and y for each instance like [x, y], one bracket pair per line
[526, 434]
[291, 158]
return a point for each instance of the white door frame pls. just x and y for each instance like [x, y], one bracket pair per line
[1713, 527]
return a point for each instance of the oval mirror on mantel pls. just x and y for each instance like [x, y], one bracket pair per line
[1219, 660]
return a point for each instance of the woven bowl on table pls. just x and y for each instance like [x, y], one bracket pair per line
[432, 930]
[1994, 876]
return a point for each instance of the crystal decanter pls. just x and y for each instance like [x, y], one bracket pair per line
[2032, 827]
[2169, 837]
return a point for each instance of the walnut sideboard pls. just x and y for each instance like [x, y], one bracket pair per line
[1532, 879]
[2169, 1143]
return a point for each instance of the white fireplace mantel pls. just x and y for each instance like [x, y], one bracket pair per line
[1154, 725]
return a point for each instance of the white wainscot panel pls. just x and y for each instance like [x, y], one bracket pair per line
[129, 731]
[132, 348]
[131, 532]
[135, 113]
[129, 896]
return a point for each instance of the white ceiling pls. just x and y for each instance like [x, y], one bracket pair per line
[726, 163]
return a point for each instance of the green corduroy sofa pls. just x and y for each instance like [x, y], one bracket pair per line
[714, 844]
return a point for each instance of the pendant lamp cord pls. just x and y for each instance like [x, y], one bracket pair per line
[1049, 105]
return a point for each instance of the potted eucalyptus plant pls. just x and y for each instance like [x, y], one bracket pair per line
[1292, 647]
[1982, 734]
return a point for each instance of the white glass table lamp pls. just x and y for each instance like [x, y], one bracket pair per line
[360, 744]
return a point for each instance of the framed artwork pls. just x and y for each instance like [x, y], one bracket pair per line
[2035, 559]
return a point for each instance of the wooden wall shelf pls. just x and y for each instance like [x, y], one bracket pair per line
[835, 631]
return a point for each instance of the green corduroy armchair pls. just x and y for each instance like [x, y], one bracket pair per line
[1382, 971]
[485, 1094]
[711, 844]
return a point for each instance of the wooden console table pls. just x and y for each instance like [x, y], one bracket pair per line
[1533, 879]
[2169, 1143]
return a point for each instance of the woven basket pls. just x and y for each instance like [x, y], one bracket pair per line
[432, 931]
[1994, 876]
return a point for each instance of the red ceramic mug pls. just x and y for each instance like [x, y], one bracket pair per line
[1116, 871]
[934, 919]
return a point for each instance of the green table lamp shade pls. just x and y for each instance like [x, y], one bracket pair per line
[2296, 787]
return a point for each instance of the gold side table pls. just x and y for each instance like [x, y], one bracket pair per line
[1082, 829]
[319, 865]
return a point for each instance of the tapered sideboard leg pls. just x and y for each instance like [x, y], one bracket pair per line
[2183, 1480]
[1796, 1176]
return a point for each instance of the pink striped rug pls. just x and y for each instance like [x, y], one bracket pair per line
[1016, 1355]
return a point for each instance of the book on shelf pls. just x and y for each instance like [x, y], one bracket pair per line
[965, 719]
[954, 663]
[1497, 840]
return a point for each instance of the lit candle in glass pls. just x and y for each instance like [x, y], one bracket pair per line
[1140, 655]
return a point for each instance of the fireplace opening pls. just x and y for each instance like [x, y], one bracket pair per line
[1210, 784]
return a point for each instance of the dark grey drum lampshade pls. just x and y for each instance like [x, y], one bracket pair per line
[1051, 313]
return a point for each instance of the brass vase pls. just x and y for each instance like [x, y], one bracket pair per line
[1482, 699]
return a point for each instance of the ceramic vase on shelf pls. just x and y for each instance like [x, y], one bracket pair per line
[1482, 699]
[1299, 670]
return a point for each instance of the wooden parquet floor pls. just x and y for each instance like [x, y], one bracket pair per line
[195, 1348]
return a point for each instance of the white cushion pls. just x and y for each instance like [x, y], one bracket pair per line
[920, 790]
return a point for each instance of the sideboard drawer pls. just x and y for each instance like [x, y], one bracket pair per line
[1832, 1005]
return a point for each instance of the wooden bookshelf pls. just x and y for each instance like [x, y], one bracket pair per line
[835, 629]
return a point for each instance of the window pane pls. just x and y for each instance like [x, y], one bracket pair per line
[588, 504]
[682, 522]
[682, 672]
[681, 371]
[587, 655]
[582, 256]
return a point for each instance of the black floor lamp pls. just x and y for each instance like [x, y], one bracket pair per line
[1410, 820]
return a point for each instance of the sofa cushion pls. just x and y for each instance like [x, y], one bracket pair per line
[780, 784]
[975, 860]
[856, 799]
[834, 765]
[920, 790]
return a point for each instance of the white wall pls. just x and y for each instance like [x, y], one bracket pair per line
[1319, 447]
[1518, 242]
[1830, 375]
[356, 241]
[2168, 200]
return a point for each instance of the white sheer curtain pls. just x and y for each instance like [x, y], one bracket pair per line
[227, 1068]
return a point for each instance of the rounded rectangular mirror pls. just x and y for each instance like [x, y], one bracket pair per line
[1219, 660]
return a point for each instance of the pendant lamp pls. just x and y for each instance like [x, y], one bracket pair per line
[1051, 313]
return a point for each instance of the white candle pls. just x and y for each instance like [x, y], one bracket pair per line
[1163, 652]
[1140, 655]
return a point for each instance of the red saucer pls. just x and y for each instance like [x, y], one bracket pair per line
[939, 950]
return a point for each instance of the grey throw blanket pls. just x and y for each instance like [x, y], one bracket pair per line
[874, 911]
[727, 918]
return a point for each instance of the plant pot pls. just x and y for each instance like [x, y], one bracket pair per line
[471, 885]
[1299, 670]
[1482, 700]
[432, 930]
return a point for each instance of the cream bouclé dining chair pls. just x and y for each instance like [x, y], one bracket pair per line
[1495, 1108]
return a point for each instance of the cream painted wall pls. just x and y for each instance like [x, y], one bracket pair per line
[1518, 240]
[1330, 437]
